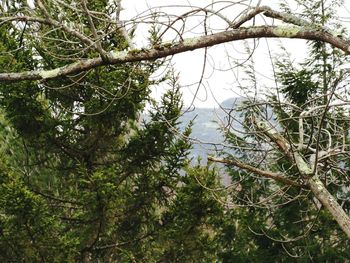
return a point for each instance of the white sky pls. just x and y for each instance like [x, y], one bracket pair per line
[217, 85]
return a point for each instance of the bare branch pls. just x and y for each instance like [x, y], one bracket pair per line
[311, 175]
[268, 12]
[267, 174]
[168, 49]
[67, 29]
[98, 45]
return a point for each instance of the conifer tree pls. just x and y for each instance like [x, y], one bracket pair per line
[282, 221]
[85, 176]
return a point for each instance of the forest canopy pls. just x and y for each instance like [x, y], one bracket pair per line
[94, 168]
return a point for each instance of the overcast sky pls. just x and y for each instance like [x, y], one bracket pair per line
[221, 83]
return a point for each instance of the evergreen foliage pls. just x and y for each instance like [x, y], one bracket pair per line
[86, 177]
[286, 223]
[83, 177]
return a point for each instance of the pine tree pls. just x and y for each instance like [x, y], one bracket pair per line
[85, 176]
[281, 222]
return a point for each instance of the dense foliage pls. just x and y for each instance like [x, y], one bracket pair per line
[84, 176]
[285, 223]
[93, 169]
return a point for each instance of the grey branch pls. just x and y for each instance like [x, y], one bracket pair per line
[267, 174]
[168, 49]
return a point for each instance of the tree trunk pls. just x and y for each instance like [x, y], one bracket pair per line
[307, 171]
[329, 202]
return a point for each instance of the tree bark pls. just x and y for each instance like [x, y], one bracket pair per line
[168, 49]
[315, 184]
[329, 202]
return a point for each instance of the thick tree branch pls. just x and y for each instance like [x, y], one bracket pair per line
[330, 203]
[168, 49]
[267, 174]
[268, 12]
[310, 174]
[23, 18]
[287, 18]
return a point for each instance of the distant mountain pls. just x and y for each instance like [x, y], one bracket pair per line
[232, 102]
[206, 132]
[207, 124]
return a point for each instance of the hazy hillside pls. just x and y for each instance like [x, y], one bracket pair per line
[206, 129]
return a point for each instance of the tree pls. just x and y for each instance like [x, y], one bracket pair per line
[84, 177]
[60, 73]
[305, 111]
